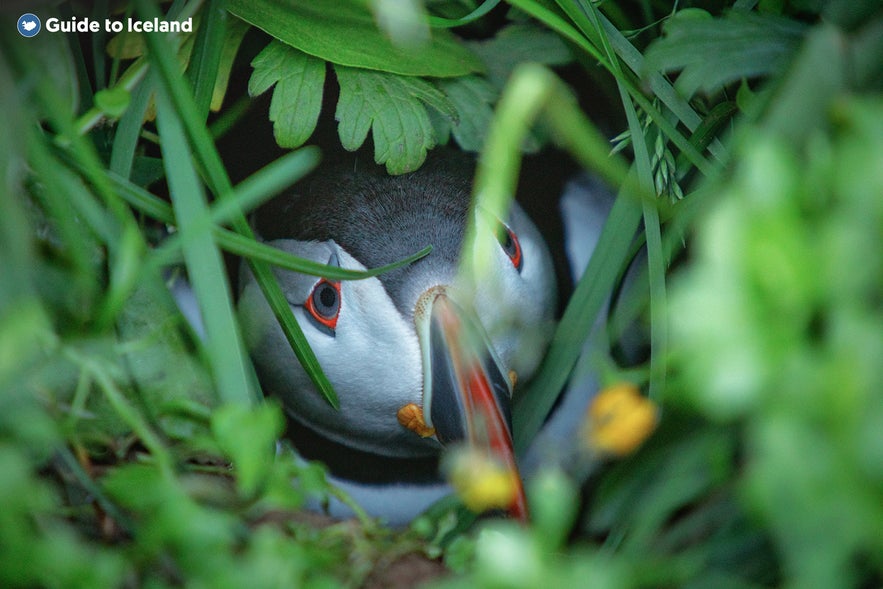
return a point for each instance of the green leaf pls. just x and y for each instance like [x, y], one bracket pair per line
[553, 505]
[157, 358]
[345, 34]
[297, 98]
[473, 98]
[516, 44]
[56, 65]
[130, 45]
[448, 23]
[202, 67]
[236, 30]
[226, 352]
[821, 65]
[248, 435]
[113, 101]
[393, 107]
[714, 52]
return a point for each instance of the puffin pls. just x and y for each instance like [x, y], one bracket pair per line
[423, 357]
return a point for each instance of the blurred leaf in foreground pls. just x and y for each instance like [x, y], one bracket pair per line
[779, 322]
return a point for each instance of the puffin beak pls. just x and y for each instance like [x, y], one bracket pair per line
[466, 393]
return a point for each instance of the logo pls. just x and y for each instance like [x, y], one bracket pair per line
[28, 25]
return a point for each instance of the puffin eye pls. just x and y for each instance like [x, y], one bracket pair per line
[509, 243]
[323, 305]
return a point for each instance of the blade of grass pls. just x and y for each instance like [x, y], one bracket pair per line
[203, 69]
[124, 240]
[136, 72]
[124, 275]
[533, 91]
[25, 324]
[561, 26]
[265, 184]
[600, 32]
[244, 246]
[161, 55]
[101, 375]
[229, 116]
[142, 200]
[80, 246]
[249, 248]
[658, 84]
[588, 297]
[76, 53]
[633, 302]
[644, 169]
[79, 149]
[125, 140]
[93, 489]
[635, 62]
[99, 39]
[223, 342]
[111, 223]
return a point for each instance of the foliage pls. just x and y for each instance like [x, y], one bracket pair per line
[134, 453]
[379, 85]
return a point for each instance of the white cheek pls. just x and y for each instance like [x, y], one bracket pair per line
[378, 356]
[374, 362]
[517, 308]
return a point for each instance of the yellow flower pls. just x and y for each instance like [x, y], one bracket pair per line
[480, 481]
[619, 420]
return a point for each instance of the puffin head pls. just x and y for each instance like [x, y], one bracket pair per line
[419, 356]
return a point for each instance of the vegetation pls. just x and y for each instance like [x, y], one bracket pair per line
[750, 161]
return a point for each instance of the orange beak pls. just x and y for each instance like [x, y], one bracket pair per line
[466, 393]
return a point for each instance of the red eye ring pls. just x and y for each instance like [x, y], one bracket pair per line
[323, 304]
[510, 244]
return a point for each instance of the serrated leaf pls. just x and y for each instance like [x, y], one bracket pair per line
[297, 98]
[714, 52]
[345, 33]
[473, 98]
[393, 108]
[518, 43]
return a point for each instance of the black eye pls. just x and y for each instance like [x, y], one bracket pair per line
[323, 304]
[509, 243]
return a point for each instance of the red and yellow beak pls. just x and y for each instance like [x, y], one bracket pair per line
[467, 394]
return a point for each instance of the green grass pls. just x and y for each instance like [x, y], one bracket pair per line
[133, 454]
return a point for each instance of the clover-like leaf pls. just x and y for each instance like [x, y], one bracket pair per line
[297, 98]
[393, 107]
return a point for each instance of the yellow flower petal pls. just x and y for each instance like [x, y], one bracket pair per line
[619, 420]
[479, 480]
